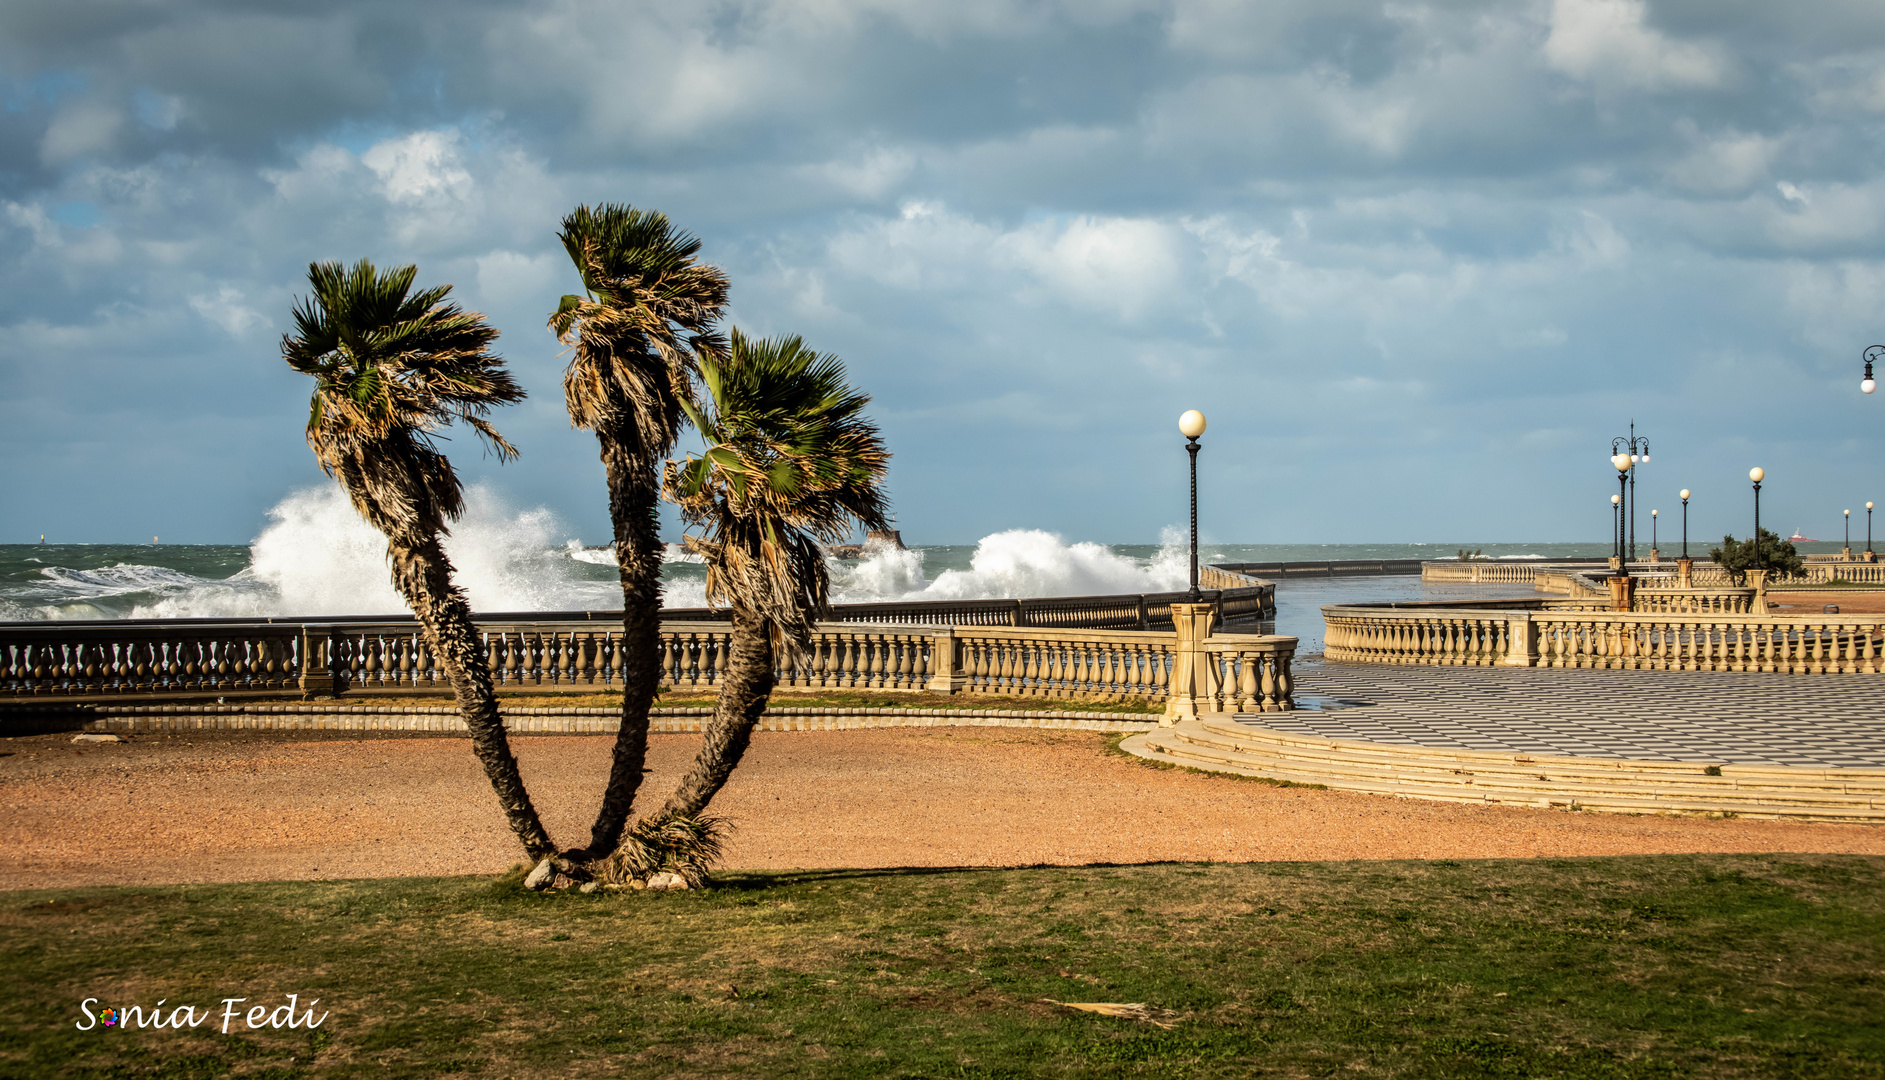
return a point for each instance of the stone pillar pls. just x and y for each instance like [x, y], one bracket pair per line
[945, 664]
[1193, 676]
[1845, 554]
[1522, 633]
[1622, 593]
[317, 661]
[1655, 555]
[1685, 573]
[1616, 563]
[1758, 579]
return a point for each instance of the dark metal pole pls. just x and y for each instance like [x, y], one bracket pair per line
[1652, 530]
[1685, 528]
[1757, 524]
[1191, 444]
[1868, 526]
[1623, 485]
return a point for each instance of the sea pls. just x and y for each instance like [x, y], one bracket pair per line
[316, 557]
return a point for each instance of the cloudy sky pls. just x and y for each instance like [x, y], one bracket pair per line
[1418, 262]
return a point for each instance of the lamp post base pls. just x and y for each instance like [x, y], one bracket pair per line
[1616, 563]
[1655, 555]
[1685, 573]
[1622, 593]
[1846, 554]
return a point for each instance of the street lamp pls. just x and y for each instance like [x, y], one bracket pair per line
[1616, 528]
[1652, 533]
[1868, 532]
[1875, 353]
[1685, 523]
[1757, 474]
[1848, 551]
[1624, 463]
[1637, 448]
[1191, 425]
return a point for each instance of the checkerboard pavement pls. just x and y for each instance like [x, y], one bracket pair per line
[1726, 717]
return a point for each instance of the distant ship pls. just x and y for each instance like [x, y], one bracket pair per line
[1796, 538]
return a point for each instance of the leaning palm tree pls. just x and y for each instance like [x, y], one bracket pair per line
[649, 310]
[390, 367]
[790, 460]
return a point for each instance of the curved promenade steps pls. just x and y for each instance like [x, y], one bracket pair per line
[1222, 744]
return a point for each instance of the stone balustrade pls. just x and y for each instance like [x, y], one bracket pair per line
[1522, 636]
[366, 658]
[1722, 601]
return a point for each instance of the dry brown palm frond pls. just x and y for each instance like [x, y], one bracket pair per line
[1137, 1010]
[688, 846]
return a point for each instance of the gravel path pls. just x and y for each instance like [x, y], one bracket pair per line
[255, 806]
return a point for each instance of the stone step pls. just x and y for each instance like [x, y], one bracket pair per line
[1487, 765]
[1774, 792]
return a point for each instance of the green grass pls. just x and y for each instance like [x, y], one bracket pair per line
[1703, 966]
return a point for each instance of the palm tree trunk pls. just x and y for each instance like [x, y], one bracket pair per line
[633, 496]
[423, 575]
[744, 688]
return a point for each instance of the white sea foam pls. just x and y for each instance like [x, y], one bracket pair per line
[317, 557]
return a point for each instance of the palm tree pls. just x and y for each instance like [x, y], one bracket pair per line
[391, 367]
[649, 312]
[790, 460]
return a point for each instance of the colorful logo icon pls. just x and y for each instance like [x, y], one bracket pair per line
[109, 1016]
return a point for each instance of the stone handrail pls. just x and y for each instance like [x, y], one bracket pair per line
[1722, 601]
[356, 657]
[1326, 568]
[1521, 637]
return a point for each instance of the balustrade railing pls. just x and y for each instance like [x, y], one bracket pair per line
[367, 658]
[1409, 634]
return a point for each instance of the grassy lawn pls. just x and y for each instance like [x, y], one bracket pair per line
[1708, 966]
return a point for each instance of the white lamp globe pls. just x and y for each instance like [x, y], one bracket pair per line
[1653, 513]
[1868, 385]
[1633, 457]
[1191, 425]
[1646, 457]
[1615, 499]
[1685, 494]
[1757, 474]
[1868, 506]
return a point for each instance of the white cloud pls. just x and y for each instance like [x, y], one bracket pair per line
[85, 127]
[227, 310]
[422, 168]
[1609, 43]
[1731, 161]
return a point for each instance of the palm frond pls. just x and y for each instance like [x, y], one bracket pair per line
[391, 368]
[688, 846]
[791, 460]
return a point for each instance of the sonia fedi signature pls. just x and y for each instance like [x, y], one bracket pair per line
[186, 1016]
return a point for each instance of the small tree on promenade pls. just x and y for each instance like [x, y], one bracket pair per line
[790, 460]
[1772, 553]
[390, 367]
[647, 312]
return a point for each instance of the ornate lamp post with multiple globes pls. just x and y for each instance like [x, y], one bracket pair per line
[1191, 425]
[1636, 448]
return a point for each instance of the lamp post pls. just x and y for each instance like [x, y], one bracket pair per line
[1685, 523]
[1637, 449]
[1868, 532]
[1685, 566]
[1624, 463]
[1616, 530]
[1191, 425]
[1652, 536]
[1757, 474]
[1847, 551]
[1872, 354]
